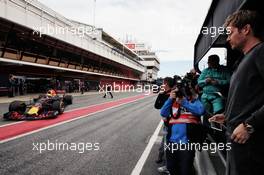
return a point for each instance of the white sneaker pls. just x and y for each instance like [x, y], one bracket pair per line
[164, 170]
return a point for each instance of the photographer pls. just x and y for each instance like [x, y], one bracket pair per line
[181, 113]
[192, 76]
[164, 94]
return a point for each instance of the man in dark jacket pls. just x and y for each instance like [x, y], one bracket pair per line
[108, 91]
[164, 94]
[244, 113]
[12, 84]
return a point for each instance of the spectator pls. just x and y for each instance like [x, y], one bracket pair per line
[213, 80]
[82, 88]
[192, 76]
[244, 113]
[164, 94]
[108, 91]
[21, 86]
[182, 116]
[12, 84]
[58, 85]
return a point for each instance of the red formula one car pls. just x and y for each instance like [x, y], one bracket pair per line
[45, 106]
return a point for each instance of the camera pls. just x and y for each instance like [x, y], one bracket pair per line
[179, 85]
[183, 86]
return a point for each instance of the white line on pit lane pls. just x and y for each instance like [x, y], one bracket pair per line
[146, 152]
[13, 123]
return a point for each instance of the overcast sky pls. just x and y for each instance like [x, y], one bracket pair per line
[170, 27]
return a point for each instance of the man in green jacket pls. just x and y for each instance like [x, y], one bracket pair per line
[213, 80]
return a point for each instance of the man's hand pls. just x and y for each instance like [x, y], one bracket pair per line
[218, 118]
[173, 94]
[208, 80]
[240, 134]
[162, 92]
[214, 82]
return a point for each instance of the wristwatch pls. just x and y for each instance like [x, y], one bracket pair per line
[248, 127]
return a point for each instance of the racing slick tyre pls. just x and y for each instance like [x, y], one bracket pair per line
[17, 106]
[67, 99]
[58, 106]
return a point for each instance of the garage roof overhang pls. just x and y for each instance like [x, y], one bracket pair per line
[217, 13]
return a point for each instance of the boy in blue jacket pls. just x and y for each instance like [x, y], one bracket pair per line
[182, 116]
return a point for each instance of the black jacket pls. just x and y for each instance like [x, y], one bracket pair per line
[162, 97]
[245, 101]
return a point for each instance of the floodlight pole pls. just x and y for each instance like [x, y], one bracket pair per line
[94, 14]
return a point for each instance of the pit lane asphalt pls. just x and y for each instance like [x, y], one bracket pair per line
[122, 134]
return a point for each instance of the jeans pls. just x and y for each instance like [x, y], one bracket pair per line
[180, 162]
